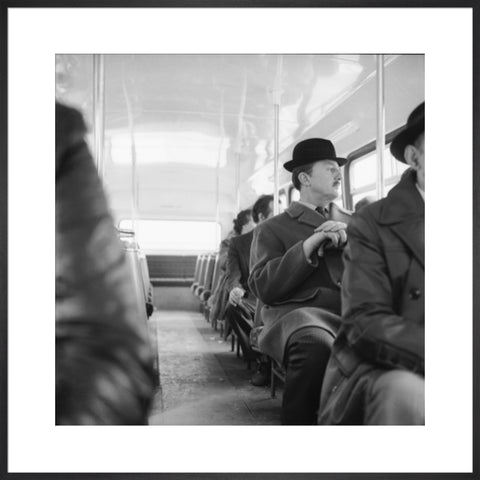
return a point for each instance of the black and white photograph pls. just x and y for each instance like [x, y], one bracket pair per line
[196, 154]
[249, 273]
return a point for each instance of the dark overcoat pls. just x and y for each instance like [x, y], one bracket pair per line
[238, 259]
[238, 268]
[219, 298]
[294, 293]
[383, 314]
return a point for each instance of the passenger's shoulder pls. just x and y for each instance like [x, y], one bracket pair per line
[241, 239]
[367, 217]
[70, 132]
[68, 121]
[70, 129]
[274, 222]
[371, 211]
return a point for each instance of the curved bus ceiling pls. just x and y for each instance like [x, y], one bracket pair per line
[201, 127]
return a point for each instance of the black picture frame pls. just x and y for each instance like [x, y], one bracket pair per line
[5, 5]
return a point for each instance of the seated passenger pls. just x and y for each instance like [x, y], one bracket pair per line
[240, 312]
[104, 366]
[243, 223]
[297, 278]
[376, 373]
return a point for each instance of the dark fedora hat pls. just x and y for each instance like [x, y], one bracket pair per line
[312, 150]
[410, 132]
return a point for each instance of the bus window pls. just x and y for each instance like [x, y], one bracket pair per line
[294, 194]
[175, 236]
[362, 174]
[283, 201]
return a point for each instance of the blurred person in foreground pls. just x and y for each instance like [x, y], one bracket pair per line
[104, 365]
[376, 374]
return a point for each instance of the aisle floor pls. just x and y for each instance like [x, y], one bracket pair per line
[202, 382]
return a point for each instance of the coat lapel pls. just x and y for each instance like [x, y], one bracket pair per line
[339, 214]
[413, 235]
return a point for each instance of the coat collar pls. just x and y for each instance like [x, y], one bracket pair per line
[403, 203]
[246, 238]
[304, 214]
[310, 217]
[404, 211]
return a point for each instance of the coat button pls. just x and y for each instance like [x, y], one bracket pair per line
[339, 283]
[415, 294]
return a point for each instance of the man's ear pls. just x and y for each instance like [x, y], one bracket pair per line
[411, 156]
[304, 178]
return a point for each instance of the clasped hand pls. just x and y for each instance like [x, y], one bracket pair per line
[236, 294]
[328, 232]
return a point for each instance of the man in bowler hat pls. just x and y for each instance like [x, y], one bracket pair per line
[296, 268]
[376, 373]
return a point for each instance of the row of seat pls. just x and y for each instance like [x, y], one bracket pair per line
[171, 270]
[138, 268]
[206, 278]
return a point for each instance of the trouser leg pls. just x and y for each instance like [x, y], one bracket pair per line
[396, 397]
[306, 356]
[237, 324]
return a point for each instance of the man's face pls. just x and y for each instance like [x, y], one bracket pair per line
[249, 226]
[269, 213]
[326, 179]
[420, 146]
[415, 157]
[270, 210]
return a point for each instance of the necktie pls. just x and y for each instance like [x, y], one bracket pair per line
[322, 211]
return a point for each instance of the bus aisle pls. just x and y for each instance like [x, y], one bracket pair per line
[202, 382]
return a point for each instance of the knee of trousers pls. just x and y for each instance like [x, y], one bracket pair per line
[399, 386]
[309, 346]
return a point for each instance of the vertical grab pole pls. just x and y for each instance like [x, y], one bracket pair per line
[276, 196]
[99, 111]
[217, 191]
[276, 118]
[238, 156]
[380, 126]
[133, 152]
[238, 140]
[219, 158]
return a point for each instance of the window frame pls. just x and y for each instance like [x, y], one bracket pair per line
[359, 153]
[159, 251]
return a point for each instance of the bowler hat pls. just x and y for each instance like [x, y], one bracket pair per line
[312, 150]
[414, 127]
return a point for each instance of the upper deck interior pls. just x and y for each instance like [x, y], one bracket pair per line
[192, 137]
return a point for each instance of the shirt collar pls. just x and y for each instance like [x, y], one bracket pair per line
[325, 210]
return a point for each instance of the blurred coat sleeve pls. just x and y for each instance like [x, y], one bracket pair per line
[104, 366]
[234, 273]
